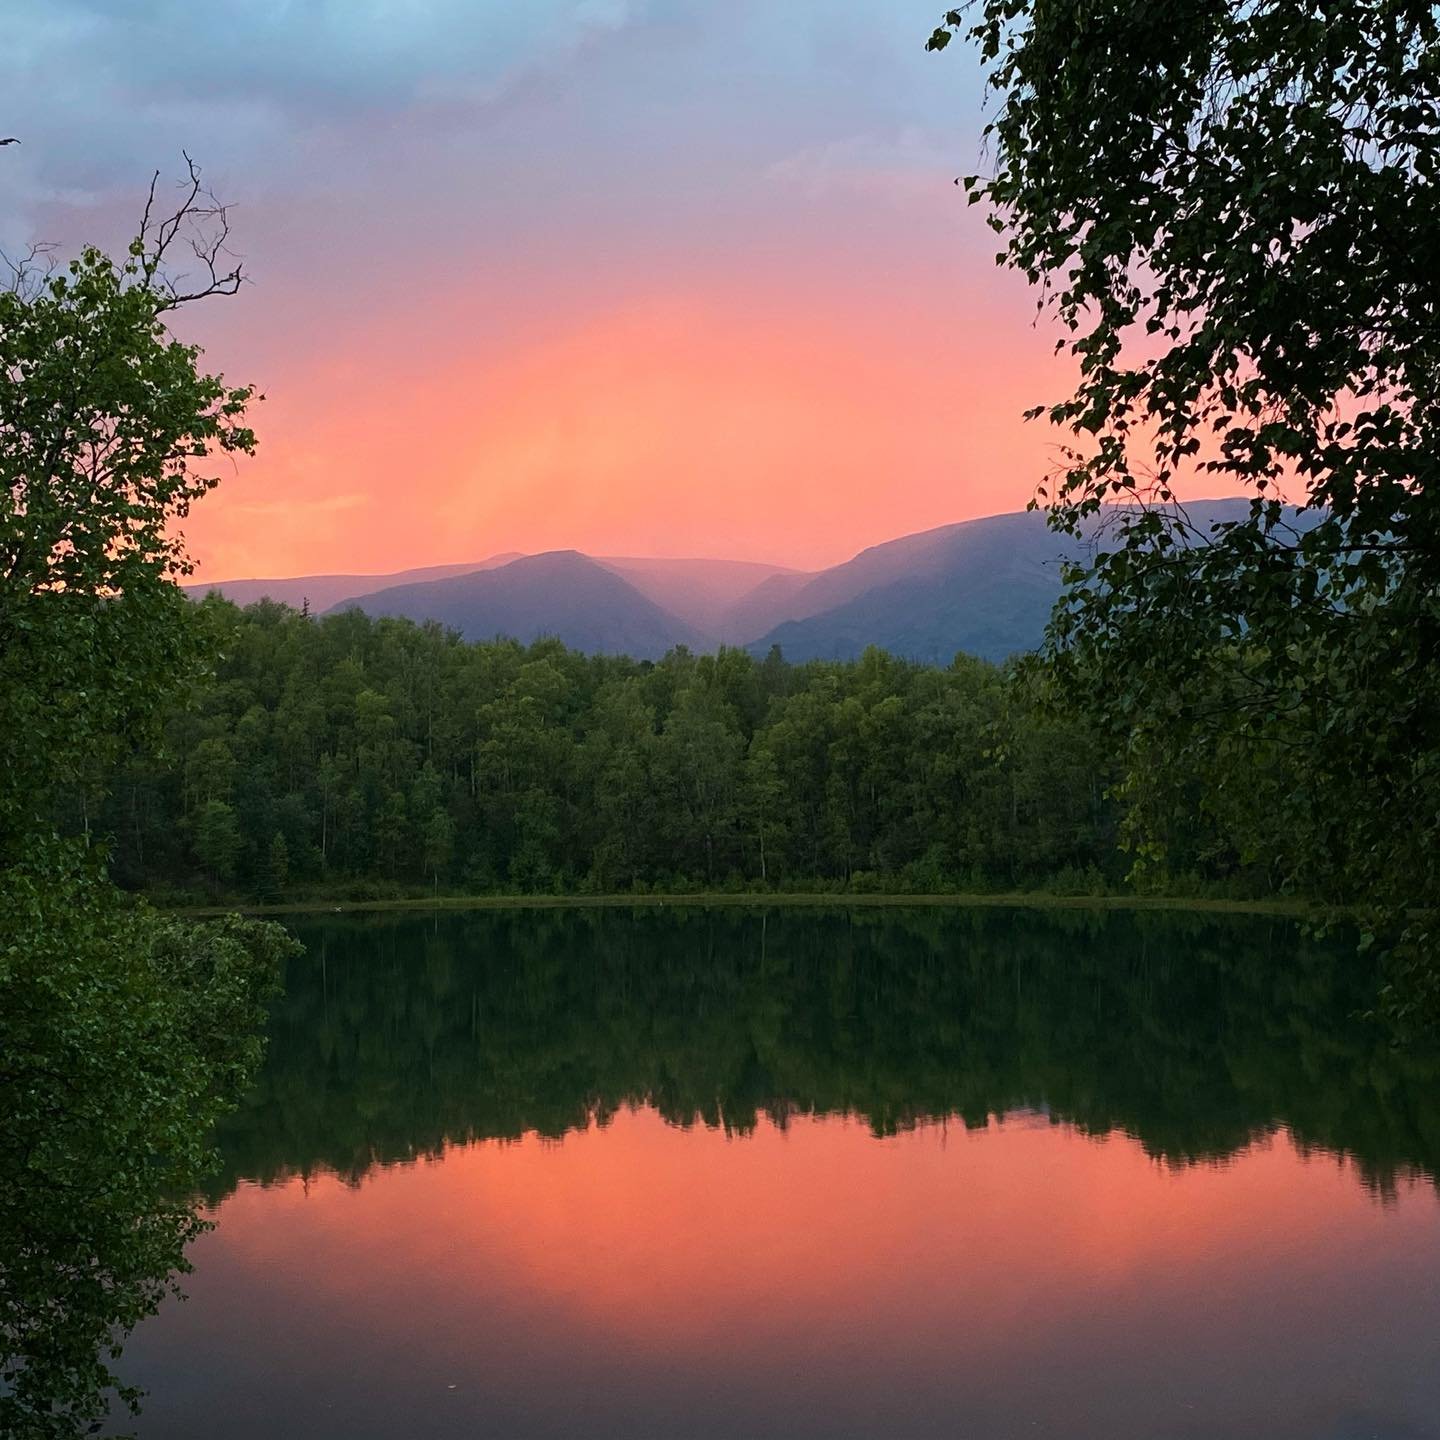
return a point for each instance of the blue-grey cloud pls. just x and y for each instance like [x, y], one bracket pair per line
[307, 57]
[101, 90]
[373, 144]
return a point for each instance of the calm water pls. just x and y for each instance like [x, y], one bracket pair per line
[887, 1174]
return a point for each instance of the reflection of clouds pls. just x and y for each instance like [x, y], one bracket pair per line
[659, 1281]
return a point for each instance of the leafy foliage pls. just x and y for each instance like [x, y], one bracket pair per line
[122, 1034]
[1231, 209]
[381, 753]
[126, 1034]
[103, 417]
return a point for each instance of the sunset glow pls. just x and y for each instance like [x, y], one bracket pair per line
[629, 278]
[600, 839]
[626, 1228]
[664, 1270]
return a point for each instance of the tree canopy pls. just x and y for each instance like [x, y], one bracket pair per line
[123, 1034]
[105, 421]
[349, 755]
[1230, 210]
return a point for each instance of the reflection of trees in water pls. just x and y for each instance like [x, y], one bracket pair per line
[123, 1034]
[1194, 1034]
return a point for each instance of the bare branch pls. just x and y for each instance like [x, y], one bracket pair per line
[31, 270]
[202, 224]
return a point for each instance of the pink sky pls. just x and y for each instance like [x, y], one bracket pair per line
[630, 276]
[744, 412]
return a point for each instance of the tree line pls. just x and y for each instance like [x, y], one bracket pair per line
[348, 754]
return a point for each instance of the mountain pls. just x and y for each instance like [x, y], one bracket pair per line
[562, 593]
[325, 592]
[703, 593]
[924, 553]
[765, 606]
[985, 587]
[762, 616]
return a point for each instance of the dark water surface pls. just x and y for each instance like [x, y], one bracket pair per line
[877, 1174]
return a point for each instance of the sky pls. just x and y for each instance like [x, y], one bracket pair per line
[637, 277]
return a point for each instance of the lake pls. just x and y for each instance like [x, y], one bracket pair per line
[803, 1173]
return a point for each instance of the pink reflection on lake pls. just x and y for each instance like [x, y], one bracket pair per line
[640, 1279]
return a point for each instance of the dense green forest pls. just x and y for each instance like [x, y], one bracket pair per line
[348, 755]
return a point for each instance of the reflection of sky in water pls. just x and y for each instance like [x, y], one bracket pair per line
[641, 1279]
[770, 1231]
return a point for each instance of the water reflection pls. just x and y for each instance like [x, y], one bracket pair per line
[1193, 1034]
[920, 1174]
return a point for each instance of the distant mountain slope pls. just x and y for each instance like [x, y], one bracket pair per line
[797, 597]
[765, 606]
[985, 587]
[324, 592]
[927, 552]
[561, 593]
[701, 592]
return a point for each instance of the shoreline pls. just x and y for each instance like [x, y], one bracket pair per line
[1015, 900]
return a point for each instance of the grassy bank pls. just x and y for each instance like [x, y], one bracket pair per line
[1036, 900]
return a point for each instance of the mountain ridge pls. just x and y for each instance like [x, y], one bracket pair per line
[984, 586]
[563, 593]
[324, 592]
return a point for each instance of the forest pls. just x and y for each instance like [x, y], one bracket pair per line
[349, 756]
